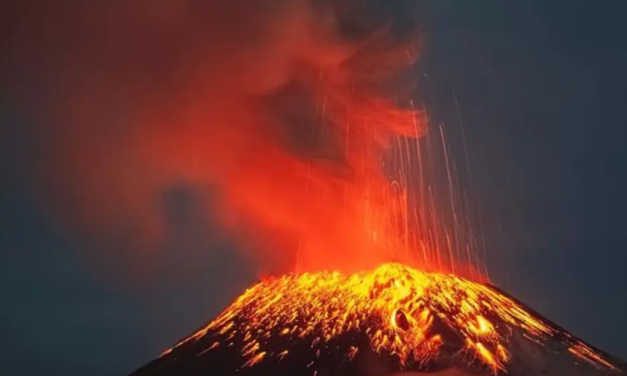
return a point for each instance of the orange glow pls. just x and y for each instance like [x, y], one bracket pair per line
[586, 353]
[402, 311]
[284, 132]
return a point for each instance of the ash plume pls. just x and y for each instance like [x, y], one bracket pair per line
[271, 113]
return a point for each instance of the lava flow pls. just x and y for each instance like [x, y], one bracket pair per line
[420, 321]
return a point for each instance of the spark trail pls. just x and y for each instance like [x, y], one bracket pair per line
[420, 320]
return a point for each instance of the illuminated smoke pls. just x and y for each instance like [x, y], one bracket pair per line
[272, 113]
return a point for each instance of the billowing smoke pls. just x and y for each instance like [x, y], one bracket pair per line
[271, 115]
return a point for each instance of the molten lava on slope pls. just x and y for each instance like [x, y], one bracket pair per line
[334, 324]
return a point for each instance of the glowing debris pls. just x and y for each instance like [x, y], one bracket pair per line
[401, 311]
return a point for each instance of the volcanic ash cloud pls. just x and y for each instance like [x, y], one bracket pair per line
[262, 110]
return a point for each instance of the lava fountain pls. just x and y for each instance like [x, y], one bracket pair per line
[389, 317]
[286, 109]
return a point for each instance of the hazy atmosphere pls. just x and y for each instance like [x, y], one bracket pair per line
[538, 88]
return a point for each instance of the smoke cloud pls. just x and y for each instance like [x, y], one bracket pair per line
[271, 115]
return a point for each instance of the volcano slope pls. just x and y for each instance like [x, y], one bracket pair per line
[393, 319]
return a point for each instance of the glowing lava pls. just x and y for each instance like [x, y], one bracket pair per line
[418, 318]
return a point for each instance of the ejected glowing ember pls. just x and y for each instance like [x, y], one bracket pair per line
[328, 323]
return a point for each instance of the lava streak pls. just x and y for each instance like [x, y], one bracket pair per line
[419, 318]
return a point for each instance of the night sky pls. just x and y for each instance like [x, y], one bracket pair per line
[541, 88]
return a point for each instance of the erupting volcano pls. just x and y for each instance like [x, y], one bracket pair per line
[391, 319]
[296, 131]
[386, 318]
[293, 132]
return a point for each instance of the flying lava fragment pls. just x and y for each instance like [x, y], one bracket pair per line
[389, 320]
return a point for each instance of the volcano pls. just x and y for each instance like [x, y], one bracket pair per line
[391, 320]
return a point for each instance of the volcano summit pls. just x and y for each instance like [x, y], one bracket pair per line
[389, 320]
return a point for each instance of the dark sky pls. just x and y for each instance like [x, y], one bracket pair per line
[541, 87]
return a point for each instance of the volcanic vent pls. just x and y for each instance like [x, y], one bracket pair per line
[391, 319]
